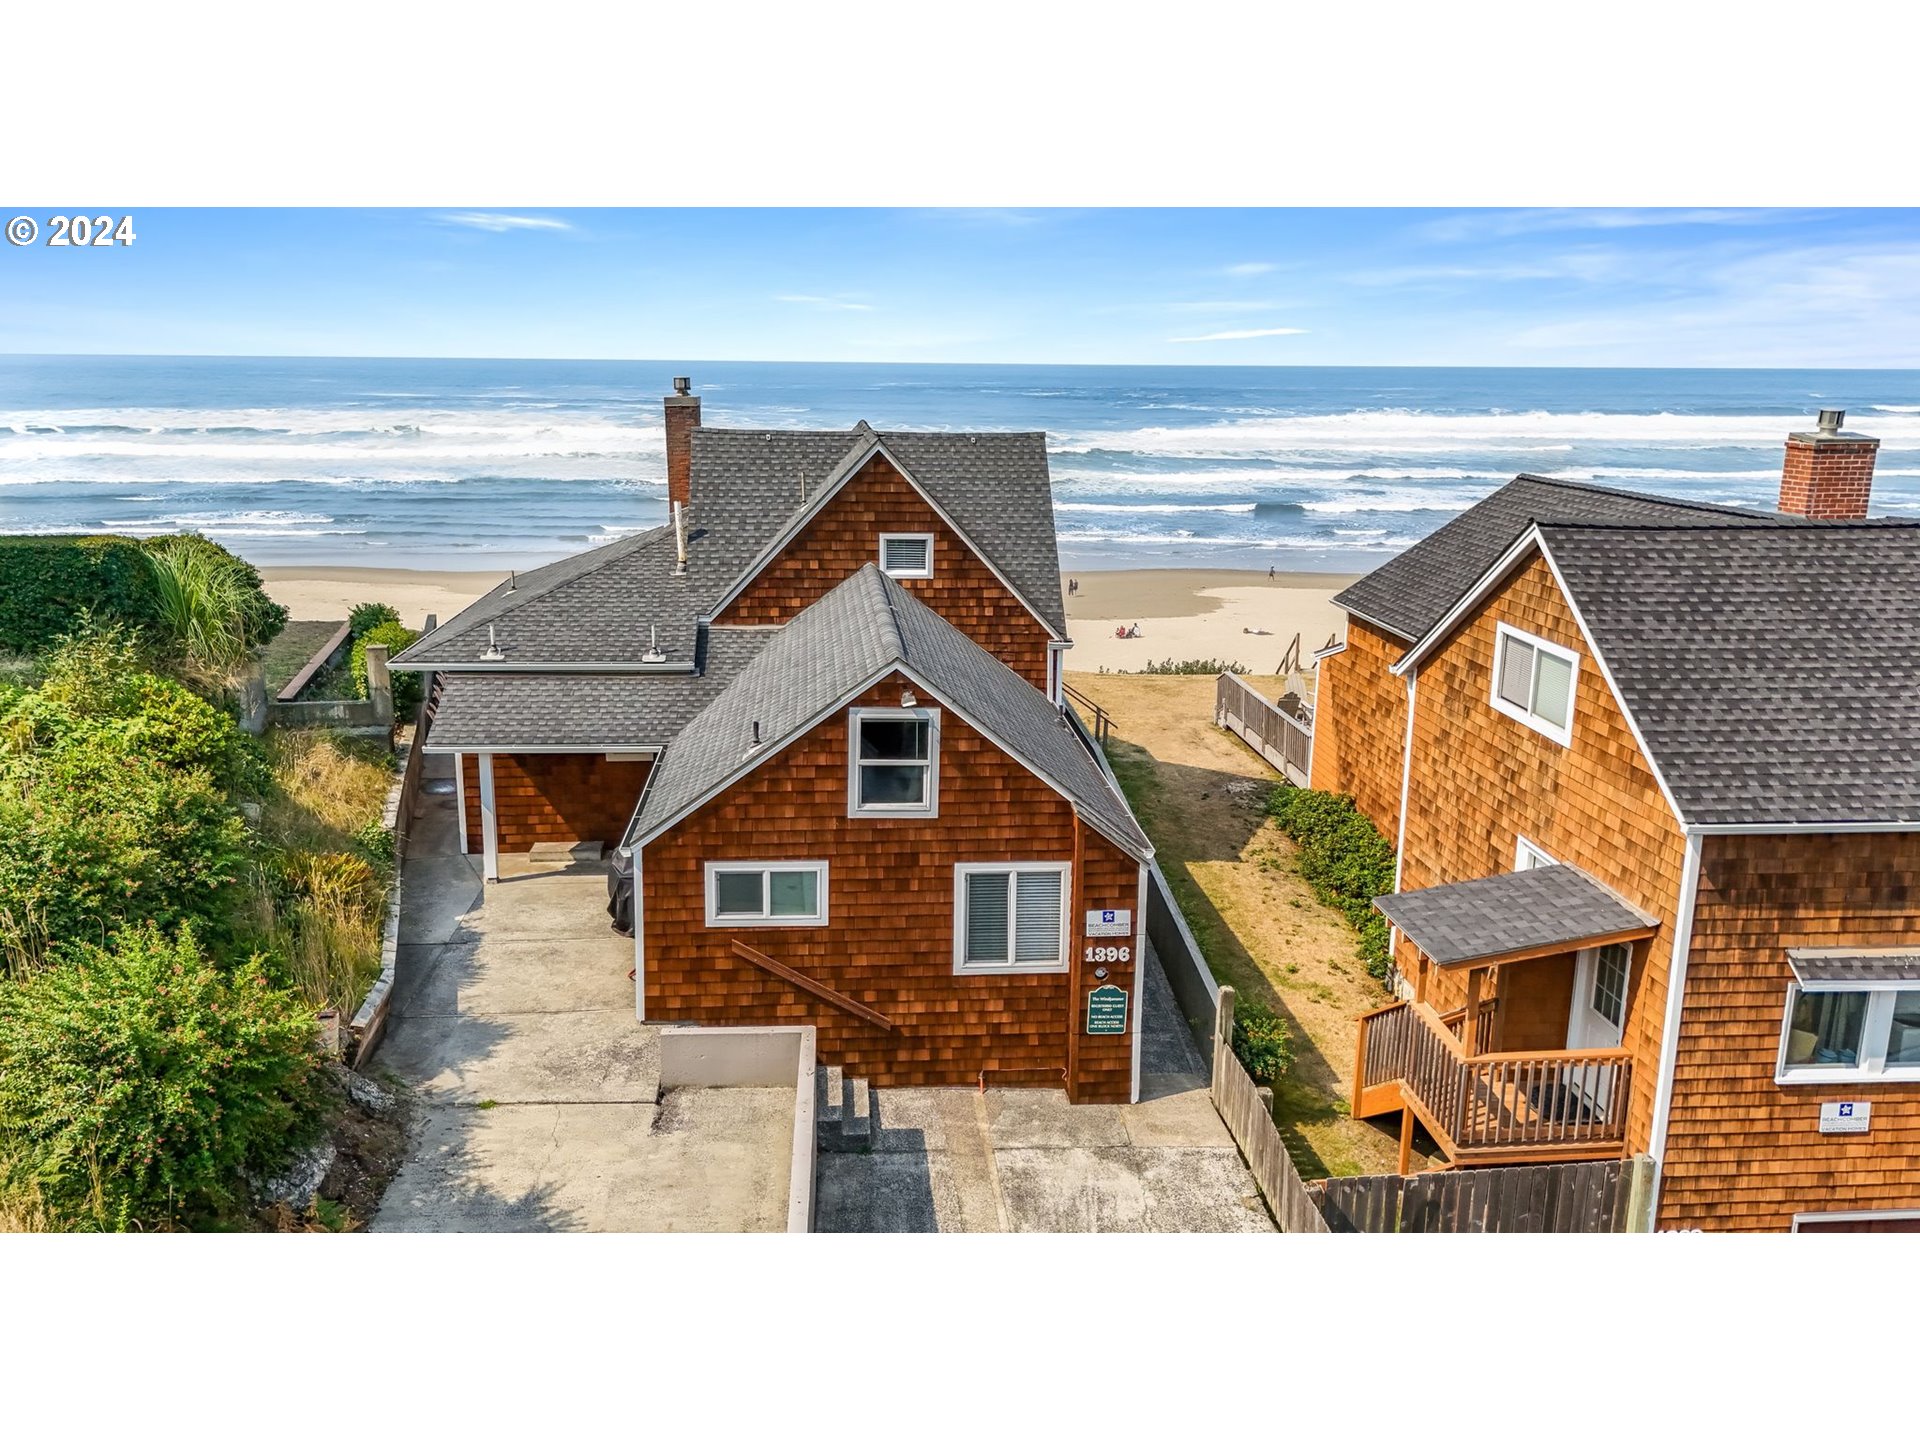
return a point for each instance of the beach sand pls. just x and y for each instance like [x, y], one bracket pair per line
[1200, 615]
[328, 592]
[1182, 614]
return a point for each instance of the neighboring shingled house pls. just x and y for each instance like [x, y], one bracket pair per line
[821, 713]
[1713, 717]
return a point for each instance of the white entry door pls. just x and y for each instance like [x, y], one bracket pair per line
[1599, 1012]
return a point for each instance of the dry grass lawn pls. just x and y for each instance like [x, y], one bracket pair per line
[1201, 794]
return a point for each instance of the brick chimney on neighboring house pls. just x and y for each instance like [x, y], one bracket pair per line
[1829, 471]
[683, 418]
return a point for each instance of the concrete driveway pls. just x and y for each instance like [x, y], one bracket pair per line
[513, 1021]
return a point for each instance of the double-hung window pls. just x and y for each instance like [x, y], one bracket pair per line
[1533, 681]
[894, 763]
[1845, 1023]
[907, 557]
[766, 892]
[1010, 917]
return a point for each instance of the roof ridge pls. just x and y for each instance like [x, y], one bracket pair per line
[1675, 501]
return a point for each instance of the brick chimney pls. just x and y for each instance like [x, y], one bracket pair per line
[1829, 471]
[683, 418]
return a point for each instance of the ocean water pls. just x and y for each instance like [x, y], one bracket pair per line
[462, 464]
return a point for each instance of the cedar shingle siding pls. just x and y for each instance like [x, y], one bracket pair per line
[889, 939]
[1360, 723]
[845, 535]
[554, 798]
[1743, 1152]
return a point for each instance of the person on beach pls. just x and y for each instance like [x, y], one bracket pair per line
[1269, 572]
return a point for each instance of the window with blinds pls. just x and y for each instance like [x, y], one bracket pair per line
[1011, 917]
[907, 557]
[1533, 681]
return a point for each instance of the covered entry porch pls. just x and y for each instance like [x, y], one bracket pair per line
[1510, 1049]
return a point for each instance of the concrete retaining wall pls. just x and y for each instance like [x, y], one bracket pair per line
[769, 1057]
[369, 1022]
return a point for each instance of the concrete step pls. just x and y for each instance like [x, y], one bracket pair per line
[830, 1096]
[564, 852]
[856, 1126]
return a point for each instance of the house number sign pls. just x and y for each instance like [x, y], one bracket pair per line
[1109, 954]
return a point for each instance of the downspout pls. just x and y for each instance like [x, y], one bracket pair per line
[1676, 1004]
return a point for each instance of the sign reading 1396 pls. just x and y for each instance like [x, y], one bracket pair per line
[1109, 954]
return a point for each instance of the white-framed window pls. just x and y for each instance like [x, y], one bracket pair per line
[766, 892]
[1849, 1032]
[1533, 681]
[1529, 856]
[1011, 916]
[893, 765]
[907, 556]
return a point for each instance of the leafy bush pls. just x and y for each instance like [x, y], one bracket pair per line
[1344, 858]
[95, 691]
[1261, 1041]
[1195, 667]
[139, 1085]
[50, 584]
[363, 618]
[406, 683]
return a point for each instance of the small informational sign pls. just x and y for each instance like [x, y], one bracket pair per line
[1107, 1011]
[1845, 1117]
[1109, 922]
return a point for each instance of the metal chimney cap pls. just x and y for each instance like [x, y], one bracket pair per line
[1831, 421]
[682, 385]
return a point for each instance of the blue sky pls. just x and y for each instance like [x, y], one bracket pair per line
[1476, 287]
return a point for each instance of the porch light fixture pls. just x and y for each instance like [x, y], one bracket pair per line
[908, 699]
[493, 650]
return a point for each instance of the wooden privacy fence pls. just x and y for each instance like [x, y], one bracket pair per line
[1597, 1197]
[1282, 732]
[1250, 1122]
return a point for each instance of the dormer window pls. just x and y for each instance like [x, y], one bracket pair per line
[894, 764]
[907, 557]
[1533, 681]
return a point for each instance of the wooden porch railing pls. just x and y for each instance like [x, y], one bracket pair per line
[1281, 732]
[1491, 1108]
[812, 986]
[1101, 722]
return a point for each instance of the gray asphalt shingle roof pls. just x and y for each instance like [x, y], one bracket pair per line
[585, 711]
[1855, 967]
[600, 607]
[1774, 672]
[1412, 592]
[1544, 909]
[837, 648]
[749, 484]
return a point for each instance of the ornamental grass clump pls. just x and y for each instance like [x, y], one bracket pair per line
[141, 1086]
[1344, 859]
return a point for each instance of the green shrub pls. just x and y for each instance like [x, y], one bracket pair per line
[139, 1085]
[50, 584]
[200, 608]
[1344, 858]
[95, 691]
[363, 618]
[1261, 1041]
[259, 618]
[406, 683]
[1194, 667]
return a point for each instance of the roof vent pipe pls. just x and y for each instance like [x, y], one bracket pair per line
[679, 538]
[493, 651]
[654, 654]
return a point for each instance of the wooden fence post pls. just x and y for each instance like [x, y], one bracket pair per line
[1639, 1185]
[1222, 1032]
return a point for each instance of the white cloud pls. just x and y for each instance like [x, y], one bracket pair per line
[1250, 267]
[1219, 307]
[499, 224]
[824, 302]
[1499, 224]
[1234, 335]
